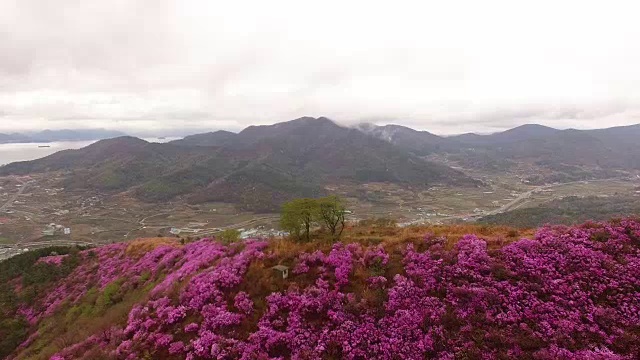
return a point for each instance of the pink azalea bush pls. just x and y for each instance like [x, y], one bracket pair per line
[52, 260]
[569, 293]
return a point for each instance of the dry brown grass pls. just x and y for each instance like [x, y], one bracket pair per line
[139, 247]
[392, 237]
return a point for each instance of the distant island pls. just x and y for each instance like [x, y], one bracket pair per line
[48, 136]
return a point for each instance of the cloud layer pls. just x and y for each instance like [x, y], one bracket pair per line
[147, 66]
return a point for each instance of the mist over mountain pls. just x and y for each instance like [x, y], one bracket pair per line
[572, 150]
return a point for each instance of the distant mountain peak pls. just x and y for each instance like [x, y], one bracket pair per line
[310, 120]
[119, 143]
[532, 128]
[224, 132]
[215, 138]
[122, 139]
[303, 118]
[406, 138]
[300, 125]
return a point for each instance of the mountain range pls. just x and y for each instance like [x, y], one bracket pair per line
[46, 136]
[262, 166]
[528, 140]
[560, 155]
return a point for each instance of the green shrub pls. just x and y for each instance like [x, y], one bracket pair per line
[229, 236]
[111, 295]
[12, 333]
[145, 277]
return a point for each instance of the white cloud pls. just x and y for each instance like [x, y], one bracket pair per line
[448, 67]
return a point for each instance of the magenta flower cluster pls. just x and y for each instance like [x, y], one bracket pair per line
[105, 265]
[569, 293]
[52, 260]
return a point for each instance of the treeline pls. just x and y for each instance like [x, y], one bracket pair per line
[300, 216]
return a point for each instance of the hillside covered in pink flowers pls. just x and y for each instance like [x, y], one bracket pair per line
[566, 293]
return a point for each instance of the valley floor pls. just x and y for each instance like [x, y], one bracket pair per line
[35, 213]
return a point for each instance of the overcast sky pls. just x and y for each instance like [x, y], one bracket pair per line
[147, 66]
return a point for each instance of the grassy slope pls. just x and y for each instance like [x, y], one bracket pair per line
[99, 310]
